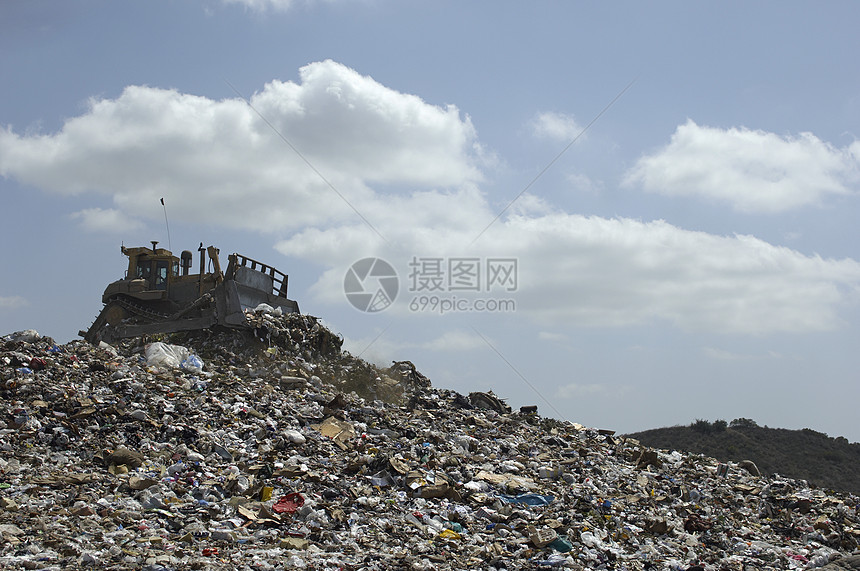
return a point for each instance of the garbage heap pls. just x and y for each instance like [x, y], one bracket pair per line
[277, 450]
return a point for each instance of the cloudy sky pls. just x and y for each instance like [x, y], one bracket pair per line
[631, 216]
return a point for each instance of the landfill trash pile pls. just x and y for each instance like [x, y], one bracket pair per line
[277, 450]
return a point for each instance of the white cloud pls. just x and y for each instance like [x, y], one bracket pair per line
[530, 205]
[432, 223]
[598, 272]
[13, 302]
[105, 220]
[556, 126]
[754, 171]
[218, 162]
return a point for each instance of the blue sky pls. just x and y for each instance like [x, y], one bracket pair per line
[691, 254]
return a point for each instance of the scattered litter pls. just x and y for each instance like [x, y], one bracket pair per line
[234, 450]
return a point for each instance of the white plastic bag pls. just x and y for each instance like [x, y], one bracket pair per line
[163, 355]
[266, 308]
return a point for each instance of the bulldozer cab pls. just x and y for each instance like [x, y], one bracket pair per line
[155, 266]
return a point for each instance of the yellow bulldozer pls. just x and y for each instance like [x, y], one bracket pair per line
[160, 295]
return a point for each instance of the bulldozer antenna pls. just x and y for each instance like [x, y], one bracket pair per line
[169, 247]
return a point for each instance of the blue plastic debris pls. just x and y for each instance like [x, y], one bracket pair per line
[561, 544]
[192, 363]
[528, 499]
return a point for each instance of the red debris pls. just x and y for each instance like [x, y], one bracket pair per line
[289, 503]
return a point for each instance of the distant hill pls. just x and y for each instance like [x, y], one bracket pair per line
[823, 461]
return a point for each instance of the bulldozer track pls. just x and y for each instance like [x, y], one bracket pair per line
[94, 333]
[137, 309]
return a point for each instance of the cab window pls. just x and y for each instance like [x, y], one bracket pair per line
[161, 267]
[144, 269]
